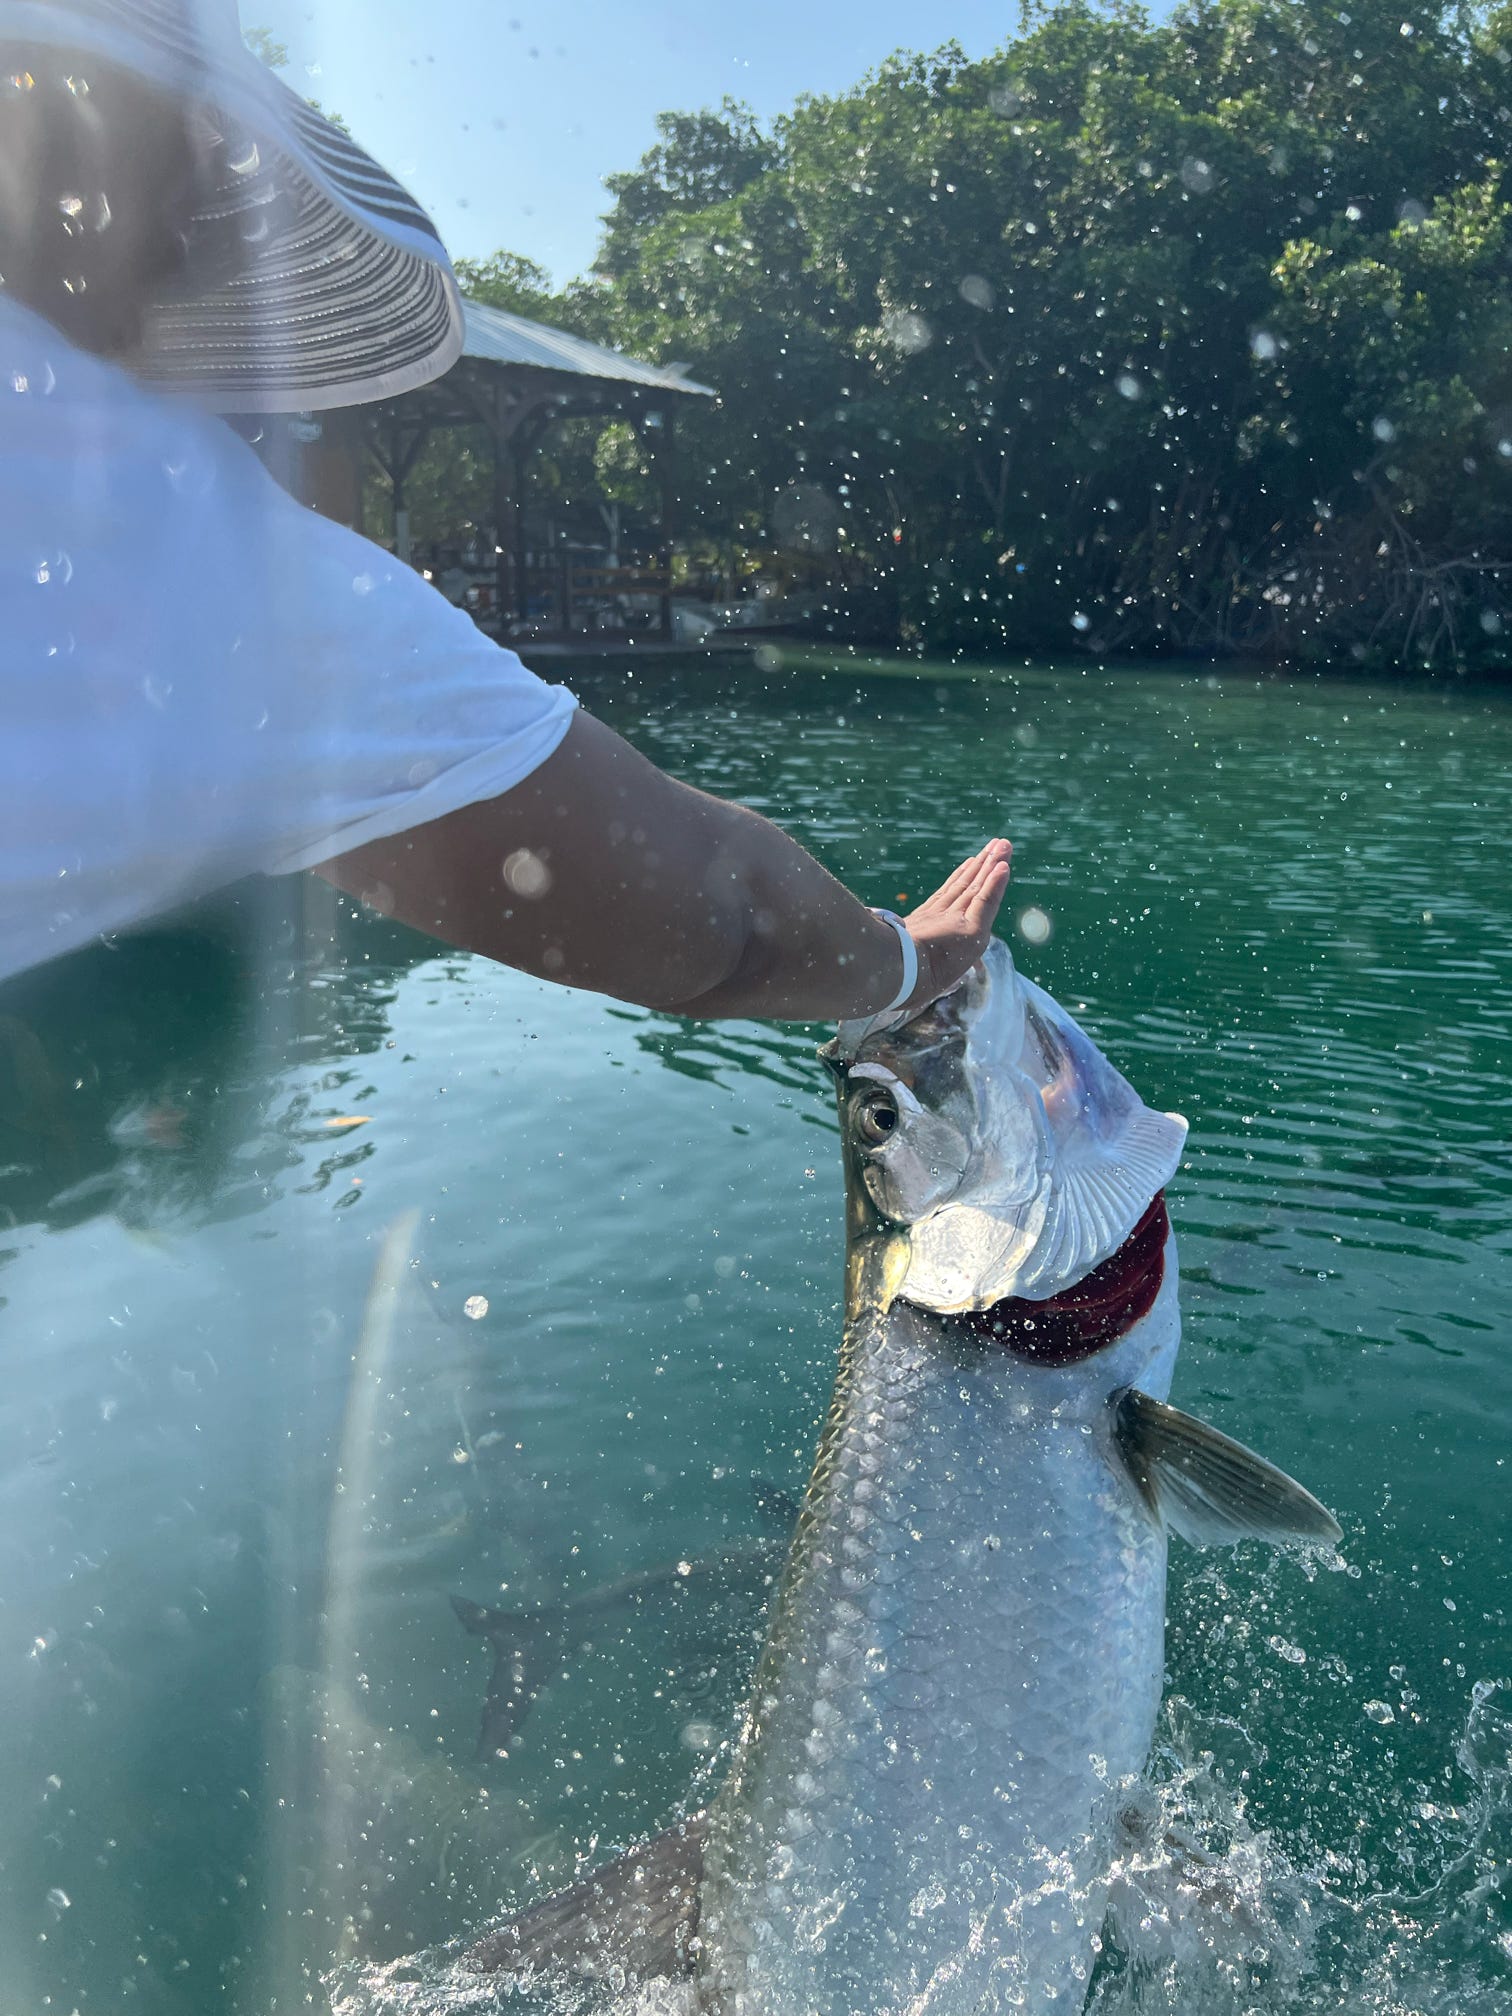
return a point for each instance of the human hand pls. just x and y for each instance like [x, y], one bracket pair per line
[950, 929]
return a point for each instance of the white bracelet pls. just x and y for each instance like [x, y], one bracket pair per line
[910, 960]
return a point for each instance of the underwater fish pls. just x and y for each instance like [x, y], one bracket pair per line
[961, 1677]
[531, 1646]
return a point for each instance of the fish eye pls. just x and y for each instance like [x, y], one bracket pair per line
[876, 1117]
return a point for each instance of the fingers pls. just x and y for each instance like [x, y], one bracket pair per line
[956, 883]
[992, 869]
[959, 887]
[986, 897]
[985, 884]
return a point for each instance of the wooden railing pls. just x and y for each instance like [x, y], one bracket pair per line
[574, 597]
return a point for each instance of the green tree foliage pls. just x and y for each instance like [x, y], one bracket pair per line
[506, 280]
[1179, 334]
[266, 46]
[701, 160]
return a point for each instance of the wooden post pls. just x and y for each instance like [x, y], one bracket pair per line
[397, 473]
[396, 465]
[522, 590]
[503, 536]
[664, 473]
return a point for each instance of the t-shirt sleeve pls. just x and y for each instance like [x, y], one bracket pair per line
[202, 678]
[379, 705]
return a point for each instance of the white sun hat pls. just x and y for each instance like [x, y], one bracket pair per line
[340, 291]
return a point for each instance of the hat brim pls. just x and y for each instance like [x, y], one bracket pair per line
[340, 292]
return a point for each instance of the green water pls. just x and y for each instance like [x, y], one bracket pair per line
[251, 1441]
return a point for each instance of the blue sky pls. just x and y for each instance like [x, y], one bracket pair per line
[504, 116]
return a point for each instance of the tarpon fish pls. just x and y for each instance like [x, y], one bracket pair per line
[963, 1668]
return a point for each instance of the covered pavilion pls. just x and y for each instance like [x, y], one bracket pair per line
[516, 378]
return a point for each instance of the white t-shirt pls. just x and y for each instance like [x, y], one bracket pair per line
[199, 677]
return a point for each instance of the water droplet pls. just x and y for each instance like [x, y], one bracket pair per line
[1293, 1654]
[1263, 345]
[475, 1306]
[907, 330]
[977, 292]
[1198, 175]
[1383, 429]
[362, 584]
[1081, 621]
[1035, 926]
[526, 874]
[1128, 386]
[58, 1901]
[1378, 1711]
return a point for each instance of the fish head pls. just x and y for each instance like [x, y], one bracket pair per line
[993, 1132]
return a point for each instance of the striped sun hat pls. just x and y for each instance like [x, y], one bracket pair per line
[340, 290]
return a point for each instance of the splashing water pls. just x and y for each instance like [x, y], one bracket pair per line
[1209, 1915]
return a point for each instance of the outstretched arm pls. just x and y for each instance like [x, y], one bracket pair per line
[601, 871]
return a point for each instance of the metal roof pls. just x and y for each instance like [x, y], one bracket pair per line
[494, 336]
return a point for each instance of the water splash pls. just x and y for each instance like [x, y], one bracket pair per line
[1208, 1915]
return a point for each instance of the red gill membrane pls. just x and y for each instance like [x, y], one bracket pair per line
[1081, 1320]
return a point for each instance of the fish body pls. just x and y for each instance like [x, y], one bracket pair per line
[963, 1666]
[964, 1672]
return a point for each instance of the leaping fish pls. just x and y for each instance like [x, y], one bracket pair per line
[963, 1668]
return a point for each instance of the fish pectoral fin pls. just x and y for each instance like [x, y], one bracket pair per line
[1209, 1488]
[475, 1618]
[637, 1914]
